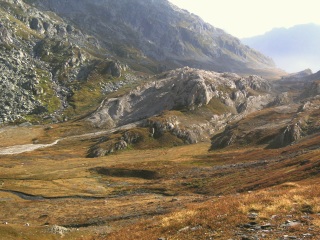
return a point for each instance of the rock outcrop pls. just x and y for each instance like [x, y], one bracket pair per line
[185, 88]
[289, 135]
[187, 105]
[281, 99]
[19, 86]
[312, 90]
[277, 126]
[44, 62]
[5, 36]
[56, 63]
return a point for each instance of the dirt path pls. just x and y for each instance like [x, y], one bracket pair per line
[17, 149]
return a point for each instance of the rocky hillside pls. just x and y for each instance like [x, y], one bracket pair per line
[275, 127]
[290, 118]
[158, 35]
[182, 106]
[184, 88]
[299, 76]
[313, 77]
[60, 59]
[48, 67]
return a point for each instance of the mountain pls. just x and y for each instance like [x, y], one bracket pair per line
[184, 105]
[313, 77]
[292, 49]
[44, 64]
[158, 35]
[106, 133]
[60, 59]
[297, 76]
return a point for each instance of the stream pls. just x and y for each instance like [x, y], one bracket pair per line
[31, 197]
[17, 149]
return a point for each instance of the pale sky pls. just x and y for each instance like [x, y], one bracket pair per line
[246, 18]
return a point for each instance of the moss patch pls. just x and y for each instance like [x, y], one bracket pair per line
[48, 97]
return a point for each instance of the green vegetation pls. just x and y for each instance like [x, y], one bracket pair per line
[47, 96]
[30, 2]
[155, 186]
[86, 99]
[217, 107]
[54, 51]
[22, 30]
[12, 9]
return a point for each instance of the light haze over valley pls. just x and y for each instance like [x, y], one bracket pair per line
[136, 119]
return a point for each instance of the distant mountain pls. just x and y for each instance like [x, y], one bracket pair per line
[61, 59]
[297, 76]
[314, 77]
[157, 35]
[292, 49]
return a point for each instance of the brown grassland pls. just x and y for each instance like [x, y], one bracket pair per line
[183, 192]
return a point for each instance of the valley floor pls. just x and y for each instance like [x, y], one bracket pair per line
[184, 192]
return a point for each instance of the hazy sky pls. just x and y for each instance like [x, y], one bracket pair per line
[246, 18]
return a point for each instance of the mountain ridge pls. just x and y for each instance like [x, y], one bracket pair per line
[99, 139]
[58, 67]
[293, 49]
[159, 31]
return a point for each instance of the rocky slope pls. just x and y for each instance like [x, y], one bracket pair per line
[183, 88]
[186, 104]
[46, 63]
[313, 77]
[62, 63]
[291, 117]
[298, 76]
[275, 127]
[158, 35]
[312, 90]
[52, 70]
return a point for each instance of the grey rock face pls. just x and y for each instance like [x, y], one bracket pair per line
[281, 99]
[312, 90]
[114, 69]
[5, 36]
[254, 82]
[159, 31]
[297, 76]
[290, 134]
[36, 24]
[18, 84]
[36, 51]
[173, 126]
[183, 88]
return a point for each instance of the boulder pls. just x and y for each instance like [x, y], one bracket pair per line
[36, 24]
[5, 36]
[288, 135]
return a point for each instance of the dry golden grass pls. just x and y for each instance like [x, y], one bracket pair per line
[182, 202]
[220, 218]
[19, 135]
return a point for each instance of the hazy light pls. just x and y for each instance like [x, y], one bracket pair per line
[245, 18]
